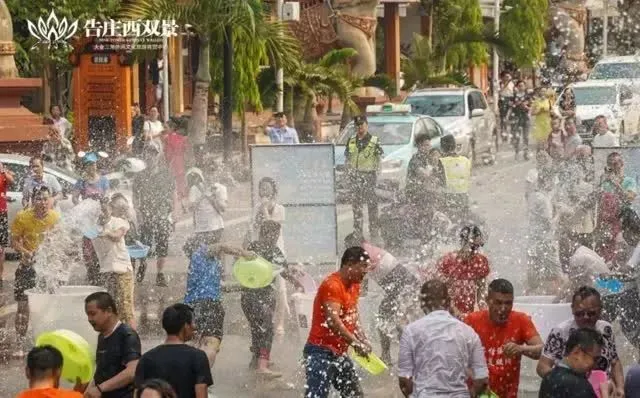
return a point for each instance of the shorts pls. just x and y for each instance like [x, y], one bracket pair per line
[209, 318]
[156, 233]
[120, 287]
[25, 279]
[4, 229]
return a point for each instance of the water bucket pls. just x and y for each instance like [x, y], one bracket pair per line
[62, 310]
[372, 363]
[138, 251]
[307, 282]
[545, 315]
[253, 274]
[78, 358]
[303, 307]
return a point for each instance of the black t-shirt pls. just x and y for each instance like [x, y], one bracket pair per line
[563, 382]
[112, 356]
[181, 365]
[415, 181]
[154, 191]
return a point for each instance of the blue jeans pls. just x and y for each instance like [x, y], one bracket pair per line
[324, 368]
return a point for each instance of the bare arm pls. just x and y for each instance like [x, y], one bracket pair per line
[406, 385]
[230, 250]
[545, 365]
[201, 391]
[122, 379]
[533, 348]
[617, 374]
[331, 312]
[481, 292]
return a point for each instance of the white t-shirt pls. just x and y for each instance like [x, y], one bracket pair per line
[507, 89]
[585, 265]
[277, 215]
[113, 256]
[63, 126]
[606, 140]
[206, 218]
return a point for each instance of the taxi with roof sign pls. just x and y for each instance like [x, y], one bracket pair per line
[396, 127]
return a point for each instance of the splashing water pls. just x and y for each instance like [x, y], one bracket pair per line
[59, 257]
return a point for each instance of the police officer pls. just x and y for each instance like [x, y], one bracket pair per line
[363, 154]
[455, 176]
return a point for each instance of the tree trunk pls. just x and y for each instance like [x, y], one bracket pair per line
[46, 85]
[227, 95]
[198, 123]
[245, 138]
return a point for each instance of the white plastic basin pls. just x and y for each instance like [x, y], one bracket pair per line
[303, 307]
[545, 316]
[62, 310]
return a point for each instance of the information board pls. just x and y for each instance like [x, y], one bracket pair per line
[304, 175]
[630, 155]
[304, 172]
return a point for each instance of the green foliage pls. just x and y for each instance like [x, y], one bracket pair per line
[522, 27]
[454, 19]
[30, 59]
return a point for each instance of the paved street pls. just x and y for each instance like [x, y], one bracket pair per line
[497, 194]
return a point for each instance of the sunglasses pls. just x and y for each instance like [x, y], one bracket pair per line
[582, 314]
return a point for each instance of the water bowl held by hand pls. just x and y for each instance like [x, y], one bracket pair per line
[372, 363]
[91, 232]
[78, 360]
[253, 274]
[138, 251]
[610, 285]
[488, 394]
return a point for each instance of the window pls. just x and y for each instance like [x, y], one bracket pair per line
[436, 105]
[20, 173]
[432, 128]
[389, 133]
[478, 100]
[617, 70]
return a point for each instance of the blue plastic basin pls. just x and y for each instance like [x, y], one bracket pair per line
[611, 285]
[137, 251]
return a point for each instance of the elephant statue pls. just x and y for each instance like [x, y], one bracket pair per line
[567, 21]
[329, 24]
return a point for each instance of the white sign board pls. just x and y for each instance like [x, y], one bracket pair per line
[304, 175]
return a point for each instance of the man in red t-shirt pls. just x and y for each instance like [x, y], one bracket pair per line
[465, 271]
[506, 335]
[6, 179]
[335, 326]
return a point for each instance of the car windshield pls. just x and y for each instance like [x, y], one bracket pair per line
[395, 133]
[595, 95]
[621, 70]
[437, 105]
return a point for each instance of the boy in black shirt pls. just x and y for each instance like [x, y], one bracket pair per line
[569, 378]
[185, 367]
[118, 349]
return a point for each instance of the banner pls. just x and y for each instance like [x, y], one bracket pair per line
[305, 180]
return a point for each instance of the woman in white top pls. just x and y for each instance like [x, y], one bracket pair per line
[269, 209]
[153, 127]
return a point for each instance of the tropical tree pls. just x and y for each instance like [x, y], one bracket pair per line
[522, 28]
[214, 21]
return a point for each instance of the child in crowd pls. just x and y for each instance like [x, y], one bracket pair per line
[204, 289]
[113, 257]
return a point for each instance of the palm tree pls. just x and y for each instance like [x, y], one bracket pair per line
[213, 21]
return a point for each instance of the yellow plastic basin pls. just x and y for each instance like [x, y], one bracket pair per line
[76, 353]
[253, 274]
[372, 364]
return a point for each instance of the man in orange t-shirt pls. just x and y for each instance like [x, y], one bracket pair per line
[506, 335]
[465, 271]
[44, 367]
[335, 326]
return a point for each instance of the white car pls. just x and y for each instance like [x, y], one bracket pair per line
[19, 165]
[462, 112]
[610, 99]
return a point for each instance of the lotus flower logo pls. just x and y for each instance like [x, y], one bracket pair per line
[53, 30]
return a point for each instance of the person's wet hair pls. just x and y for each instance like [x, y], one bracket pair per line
[433, 294]
[118, 196]
[354, 255]
[470, 233]
[160, 386]
[421, 139]
[585, 292]
[270, 181]
[585, 338]
[175, 317]
[448, 143]
[103, 301]
[354, 239]
[501, 286]
[43, 360]
[270, 229]
[39, 190]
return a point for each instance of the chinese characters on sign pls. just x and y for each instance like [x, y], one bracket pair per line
[110, 35]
